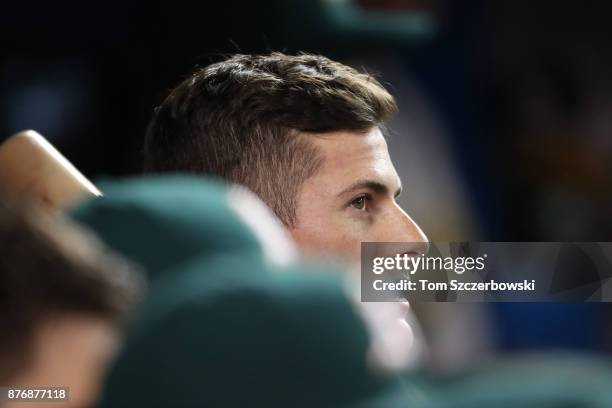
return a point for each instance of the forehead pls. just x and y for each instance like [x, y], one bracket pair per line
[349, 156]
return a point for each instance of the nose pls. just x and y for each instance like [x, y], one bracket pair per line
[404, 233]
[402, 228]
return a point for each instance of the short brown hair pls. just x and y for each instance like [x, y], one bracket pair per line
[50, 267]
[245, 119]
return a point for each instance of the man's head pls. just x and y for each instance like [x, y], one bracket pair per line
[61, 298]
[303, 132]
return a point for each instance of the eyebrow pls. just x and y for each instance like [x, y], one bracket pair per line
[373, 185]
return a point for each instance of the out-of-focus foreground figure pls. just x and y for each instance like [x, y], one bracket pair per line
[62, 298]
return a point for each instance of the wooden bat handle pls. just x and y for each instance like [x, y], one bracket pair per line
[31, 168]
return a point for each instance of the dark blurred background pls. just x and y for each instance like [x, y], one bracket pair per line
[504, 131]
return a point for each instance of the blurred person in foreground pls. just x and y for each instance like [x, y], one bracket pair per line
[228, 329]
[62, 299]
[304, 133]
[227, 325]
[228, 310]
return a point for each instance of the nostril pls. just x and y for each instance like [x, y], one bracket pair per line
[417, 252]
[405, 248]
[417, 249]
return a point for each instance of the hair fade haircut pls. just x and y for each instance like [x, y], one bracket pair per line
[248, 119]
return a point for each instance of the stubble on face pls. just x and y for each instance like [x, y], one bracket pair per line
[353, 163]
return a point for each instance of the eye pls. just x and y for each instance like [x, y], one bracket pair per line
[359, 203]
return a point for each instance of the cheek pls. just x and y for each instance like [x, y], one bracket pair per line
[314, 231]
[330, 233]
[323, 227]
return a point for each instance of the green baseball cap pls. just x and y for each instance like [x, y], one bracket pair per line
[215, 334]
[162, 221]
